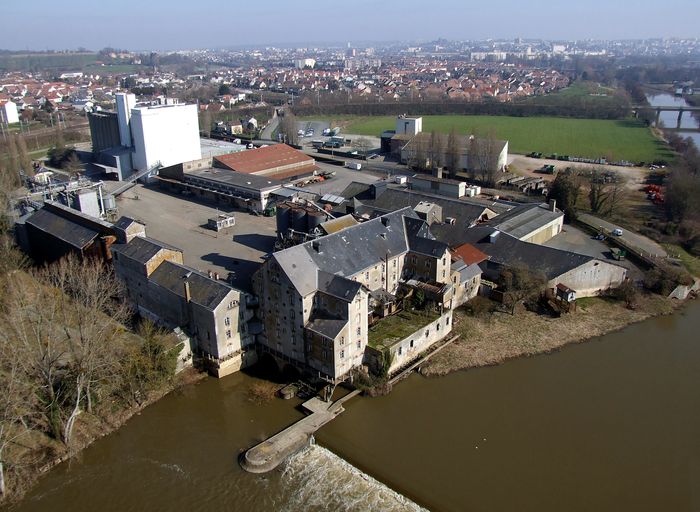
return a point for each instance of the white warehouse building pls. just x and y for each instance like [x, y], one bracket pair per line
[139, 137]
[165, 134]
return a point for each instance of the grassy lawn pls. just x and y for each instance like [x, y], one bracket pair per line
[494, 338]
[690, 262]
[397, 327]
[581, 93]
[591, 138]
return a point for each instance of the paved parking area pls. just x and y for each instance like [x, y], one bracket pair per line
[181, 222]
[575, 240]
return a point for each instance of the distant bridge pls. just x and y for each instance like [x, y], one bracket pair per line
[638, 108]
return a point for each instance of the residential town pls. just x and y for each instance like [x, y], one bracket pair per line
[314, 223]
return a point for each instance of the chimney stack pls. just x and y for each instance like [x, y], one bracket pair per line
[316, 245]
[186, 284]
[553, 205]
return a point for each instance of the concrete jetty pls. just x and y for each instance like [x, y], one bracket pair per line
[269, 454]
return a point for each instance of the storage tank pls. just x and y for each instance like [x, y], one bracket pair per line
[314, 219]
[299, 219]
[110, 202]
[282, 218]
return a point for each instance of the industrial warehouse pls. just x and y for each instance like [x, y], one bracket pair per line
[328, 281]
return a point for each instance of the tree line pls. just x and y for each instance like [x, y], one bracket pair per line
[448, 152]
[70, 347]
[371, 107]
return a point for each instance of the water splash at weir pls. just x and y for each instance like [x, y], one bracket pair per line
[323, 481]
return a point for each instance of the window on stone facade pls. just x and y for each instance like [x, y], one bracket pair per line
[342, 340]
[359, 331]
[447, 321]
[443, 273]
[359, 344]
[227, 321]
[367, 275]
[393, 263]
[412, 343]
[427, 333]
[400, 350]
[228, 334]
[342, 354]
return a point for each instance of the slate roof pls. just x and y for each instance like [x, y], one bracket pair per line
[469, 272]
[393, 199]
[524, 219]
[508, 251]
[234, 179]
[427, 246]
[337, 286]
[66, 230]
[346, 252]
[203, 291]
[328, 327]
[142, 249]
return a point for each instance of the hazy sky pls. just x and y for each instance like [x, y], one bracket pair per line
[179, 24]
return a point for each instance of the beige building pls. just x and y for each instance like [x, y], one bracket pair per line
[317, 298]
[213, 314]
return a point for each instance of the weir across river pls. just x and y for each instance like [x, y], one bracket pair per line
[269, 454]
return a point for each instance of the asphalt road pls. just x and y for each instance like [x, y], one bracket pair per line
[633, 239]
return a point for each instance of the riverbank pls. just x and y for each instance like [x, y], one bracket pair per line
[37, 453]
[492, 338]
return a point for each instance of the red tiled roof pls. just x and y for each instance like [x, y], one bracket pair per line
[264, 159]
[470, 254]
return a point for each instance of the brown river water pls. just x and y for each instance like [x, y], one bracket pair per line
[609, 425]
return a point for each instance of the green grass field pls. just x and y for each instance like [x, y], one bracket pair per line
[590, 138]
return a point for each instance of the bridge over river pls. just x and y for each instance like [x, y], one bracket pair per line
[681, 109]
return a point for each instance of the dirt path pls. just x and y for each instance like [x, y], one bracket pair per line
[634, 176]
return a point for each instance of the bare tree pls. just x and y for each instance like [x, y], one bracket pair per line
[598, 192]
[289, 129]
[73, 165]
[364, 145]
[206, 123]
[91, 315]
[519, 284]
[418, 153]
[486, 161]
[454, 151]
[13, 154]
[30, 317]
[16, 407]
[25, 163]
[436, 150]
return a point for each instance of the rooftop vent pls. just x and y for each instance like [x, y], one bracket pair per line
[385, 221]
[316, 245]
[493, 236]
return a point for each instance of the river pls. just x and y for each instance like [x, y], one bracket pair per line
[669, 119]
[608, 425]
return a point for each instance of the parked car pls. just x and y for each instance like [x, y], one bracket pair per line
[617, 232]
